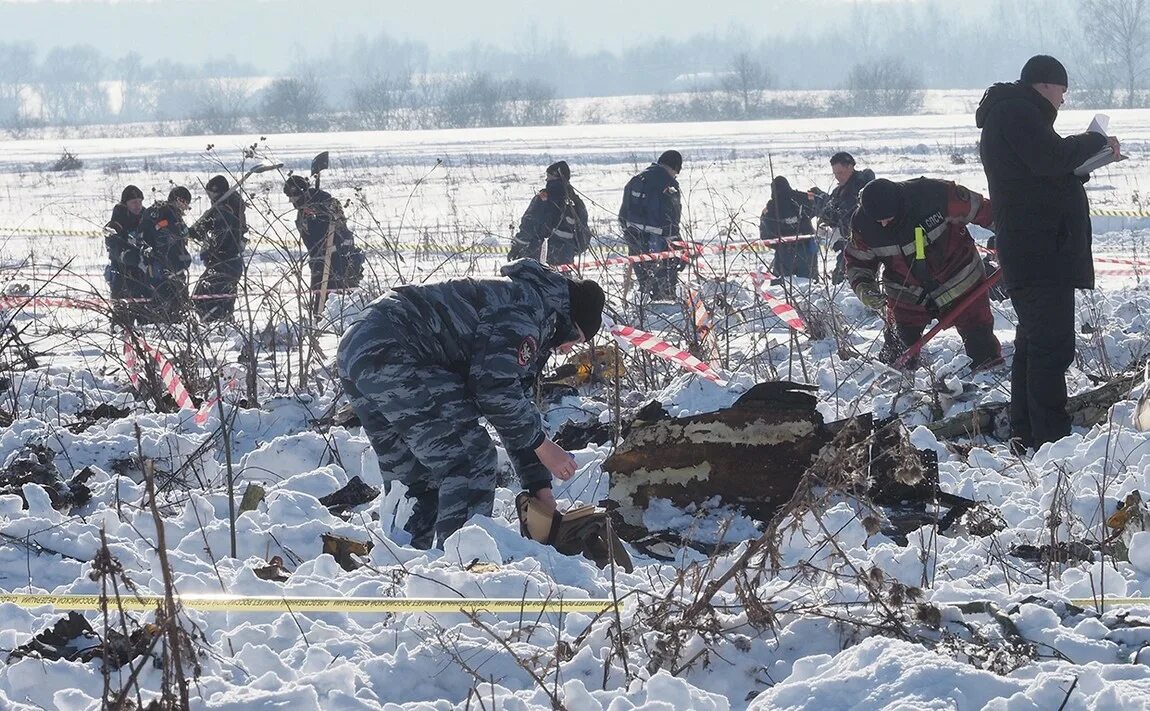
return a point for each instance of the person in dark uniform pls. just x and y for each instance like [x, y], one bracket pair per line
[126, 274]
[555, 217]
[221, 235]
[788, 214]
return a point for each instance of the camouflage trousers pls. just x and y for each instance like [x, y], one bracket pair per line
[424, 427]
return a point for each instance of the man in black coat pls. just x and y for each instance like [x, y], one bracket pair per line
[126, 272]
[330, 243]
[788, 214]
[835, 210]
[649, 217]
[556, 217]
[220, 232]
[1042, 223]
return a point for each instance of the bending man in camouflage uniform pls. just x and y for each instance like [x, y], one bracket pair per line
[425, 362]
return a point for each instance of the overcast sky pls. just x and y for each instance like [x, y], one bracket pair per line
[265, 33]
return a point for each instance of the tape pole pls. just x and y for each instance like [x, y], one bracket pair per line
[233, 603]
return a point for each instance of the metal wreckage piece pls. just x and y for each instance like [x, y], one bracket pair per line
[753, 455]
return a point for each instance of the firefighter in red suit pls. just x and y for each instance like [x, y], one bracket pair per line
[916, 232]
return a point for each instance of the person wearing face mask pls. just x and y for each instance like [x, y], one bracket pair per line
[165, 237]
[916, 232]
[330, 243]
[424, 362]
[649, 217]
[1043, 237]
[788, 214]
[557, 217]
[125, 273]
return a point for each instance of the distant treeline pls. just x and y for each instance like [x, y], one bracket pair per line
[877, 59]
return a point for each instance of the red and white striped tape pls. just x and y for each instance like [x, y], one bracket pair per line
[778, 307]
[171, 379]
[684, 252]
[206, 409]
[631, 336]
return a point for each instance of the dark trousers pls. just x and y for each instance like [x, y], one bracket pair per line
[797, 259]
[1043, 350]
[975, 325]
[219, 280]
[658, 278]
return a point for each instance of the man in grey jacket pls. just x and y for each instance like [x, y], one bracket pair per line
[426, 362]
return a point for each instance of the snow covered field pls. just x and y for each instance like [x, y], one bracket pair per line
[840, 617]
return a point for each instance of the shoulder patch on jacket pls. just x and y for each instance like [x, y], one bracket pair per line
[962, 193]
[527, 350]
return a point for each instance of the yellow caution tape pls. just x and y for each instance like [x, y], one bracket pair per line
[1119, 213]
[57, 231]
[1110, 601]
[226, 603]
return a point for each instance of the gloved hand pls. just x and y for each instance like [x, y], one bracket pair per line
[816, 191]
[869, 294]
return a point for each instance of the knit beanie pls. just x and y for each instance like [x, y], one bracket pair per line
[672, 159]
[131, 193]
[1044, 69]
[180, 193]
[217, 185]
[881, 199]
[559, 169]
[587, 301]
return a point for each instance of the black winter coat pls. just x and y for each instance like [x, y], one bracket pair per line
[166, 235]
[837, 208]
[220, 232]
[556, 215]
[788, 213]
[121, 238]
[651, 202]
[1041, 215]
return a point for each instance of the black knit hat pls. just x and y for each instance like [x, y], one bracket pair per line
[296, 185]
[842, 158]
[881, 199]
[180, 193]
[559, 169]
[672, 159]
[1044, 69]
[587, 301]
[217, 185]
[131, 193]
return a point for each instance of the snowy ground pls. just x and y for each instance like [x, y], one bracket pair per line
[840, 618]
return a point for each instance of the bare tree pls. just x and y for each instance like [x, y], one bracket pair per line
[378, 98]
[1119, 31]
[136, 102]
[885, 87]
[17, 62]
[219, 105]
[70, 89]
[295, 101]
[746, 82]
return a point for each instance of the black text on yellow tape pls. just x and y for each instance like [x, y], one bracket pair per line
[226, 603]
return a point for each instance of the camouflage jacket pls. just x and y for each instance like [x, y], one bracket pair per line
[493, 333]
